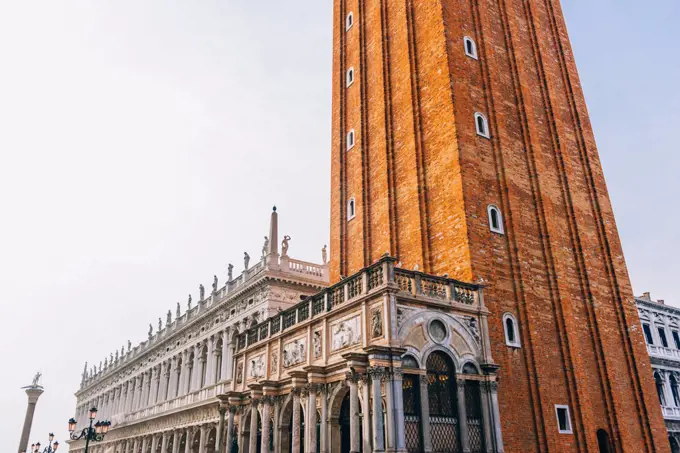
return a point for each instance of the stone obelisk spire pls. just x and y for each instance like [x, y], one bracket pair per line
[273, 252]
[33, 391]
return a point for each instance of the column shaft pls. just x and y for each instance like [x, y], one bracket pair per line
[253, 428]
[230, 431]
[296, 422]
[266, 421]
[311, 421]
[366, 413]
[462, 418]
[355, 445]
[324, 421]
[377, 416]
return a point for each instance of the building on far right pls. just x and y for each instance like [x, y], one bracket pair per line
[661, 327]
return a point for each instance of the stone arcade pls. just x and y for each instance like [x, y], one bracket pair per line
[385, 360]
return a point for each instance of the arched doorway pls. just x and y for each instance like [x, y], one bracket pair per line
[442, 398]
[345, 433]
[212, 439]
[196, 441]
[183, 442]
[171, 440]
[603, 441]
[412, 426]
[675, 445]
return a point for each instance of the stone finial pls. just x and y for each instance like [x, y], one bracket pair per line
[215, 284]
[178, 312]
[129, 346]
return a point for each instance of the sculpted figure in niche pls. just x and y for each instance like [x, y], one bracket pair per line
[275, 362]
[346, 333]
[265, 247]
[294, 353]
[239, 373]
[317, 344]
[376, 323]
[201, 292]
[284, 245]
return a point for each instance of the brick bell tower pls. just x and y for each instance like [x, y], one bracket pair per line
[462, 145]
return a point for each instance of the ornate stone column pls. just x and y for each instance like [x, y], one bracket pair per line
[366, 414]
[176, 438]
[174, 378]
[155, 382]
[187, 446]
[324, 419]
[486, 418]
[219, 439]
[225, 355]
[493, 387]
[398, 396]
[33, 394]
[209, 371]
[310, 423]
[164, 443]
[266, 421]
[253, 425]
[296, 421]
[376, 375]
[204, 439]
[230, 429]
[462, 417]
[154, 443]
[145, 443]
[128, 397]
[138, 392]
[425, 413]
[277, 424]
[184, 371]
[390, 422]
[354, 444]
[196, 378]
[136, 446]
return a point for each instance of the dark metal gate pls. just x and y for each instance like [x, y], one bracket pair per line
[412, 425]
[473, 407]
[442, 398]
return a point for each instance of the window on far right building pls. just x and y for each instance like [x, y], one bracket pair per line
[648, 334]
[563, 419]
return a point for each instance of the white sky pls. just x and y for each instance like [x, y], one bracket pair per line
[143, 143]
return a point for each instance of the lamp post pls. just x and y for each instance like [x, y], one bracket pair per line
[51, 447]
[94, 433]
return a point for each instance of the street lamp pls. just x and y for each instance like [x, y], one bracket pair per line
[51, 447]
[94, 433]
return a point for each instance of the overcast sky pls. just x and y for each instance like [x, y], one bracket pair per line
[144, 142]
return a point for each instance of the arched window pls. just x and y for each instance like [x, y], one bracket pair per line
[350, 139]
[350, 76]
[674, 390]
[495, 219]
[511, 331]
[659, 389]
[603, 441]
[482, 125]
[470, 47]
[349, 21]
[351, 208]
[442, 396]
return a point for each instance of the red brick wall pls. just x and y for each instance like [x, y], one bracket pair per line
[423, 179]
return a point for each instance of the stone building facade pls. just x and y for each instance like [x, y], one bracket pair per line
[661, 328]
[161, 394]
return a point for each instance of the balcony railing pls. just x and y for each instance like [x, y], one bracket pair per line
[671, 412]
[382, 273]
[660, 351]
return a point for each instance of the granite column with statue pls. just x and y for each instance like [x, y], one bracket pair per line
[33, 391]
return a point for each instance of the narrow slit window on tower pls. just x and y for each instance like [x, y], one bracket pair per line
[563, 419]
[350, 139]
[495, 220]
[349, 22]
[482, 125]
[470, 47]
[351, 208]
[511, 331]
[350, 76]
